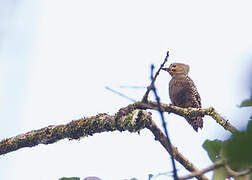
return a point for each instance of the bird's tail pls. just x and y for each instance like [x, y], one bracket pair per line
[195, 122]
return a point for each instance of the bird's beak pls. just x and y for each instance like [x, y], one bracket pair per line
[166, 69]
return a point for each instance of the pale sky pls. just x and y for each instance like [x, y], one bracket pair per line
[57, 56]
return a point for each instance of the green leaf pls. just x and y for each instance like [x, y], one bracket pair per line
[238, 149]
[246, 103]
[213, 149]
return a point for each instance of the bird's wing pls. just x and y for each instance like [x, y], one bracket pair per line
[193, 95]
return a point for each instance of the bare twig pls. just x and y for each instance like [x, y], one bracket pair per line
[120, 94]
[132, 87]
[175, 176]
[216, 165]
[233, 173]
[149, 88]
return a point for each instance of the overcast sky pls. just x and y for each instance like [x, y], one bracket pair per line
[57, 57]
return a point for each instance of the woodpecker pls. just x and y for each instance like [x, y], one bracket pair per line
[183, 92]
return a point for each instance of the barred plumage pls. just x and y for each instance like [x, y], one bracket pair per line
[183, 92]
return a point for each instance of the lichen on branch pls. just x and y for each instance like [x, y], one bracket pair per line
[76, 129]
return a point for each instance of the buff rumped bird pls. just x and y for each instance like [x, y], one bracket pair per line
[183, 93]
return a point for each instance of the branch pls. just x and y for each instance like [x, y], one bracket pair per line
[216, 165]
[188, 112]
[149, 88]
[159, 136]
[76, 129]
[128, 118]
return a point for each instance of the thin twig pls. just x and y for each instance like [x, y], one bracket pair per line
[149, 88]
[120, 94]
[132, 87]
[233, 173]
[175, 176]
[203, 171]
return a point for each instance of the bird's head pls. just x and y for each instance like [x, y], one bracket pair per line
[177, 69]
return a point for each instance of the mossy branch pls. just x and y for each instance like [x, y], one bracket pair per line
[133, 121]
[128, 118]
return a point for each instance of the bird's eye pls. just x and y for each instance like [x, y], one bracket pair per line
[174, 66]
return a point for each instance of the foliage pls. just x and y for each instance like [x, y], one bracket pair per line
[238, 148]
[236, 151]
[213, 149]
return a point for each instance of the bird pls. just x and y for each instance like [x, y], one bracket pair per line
[183, 92]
